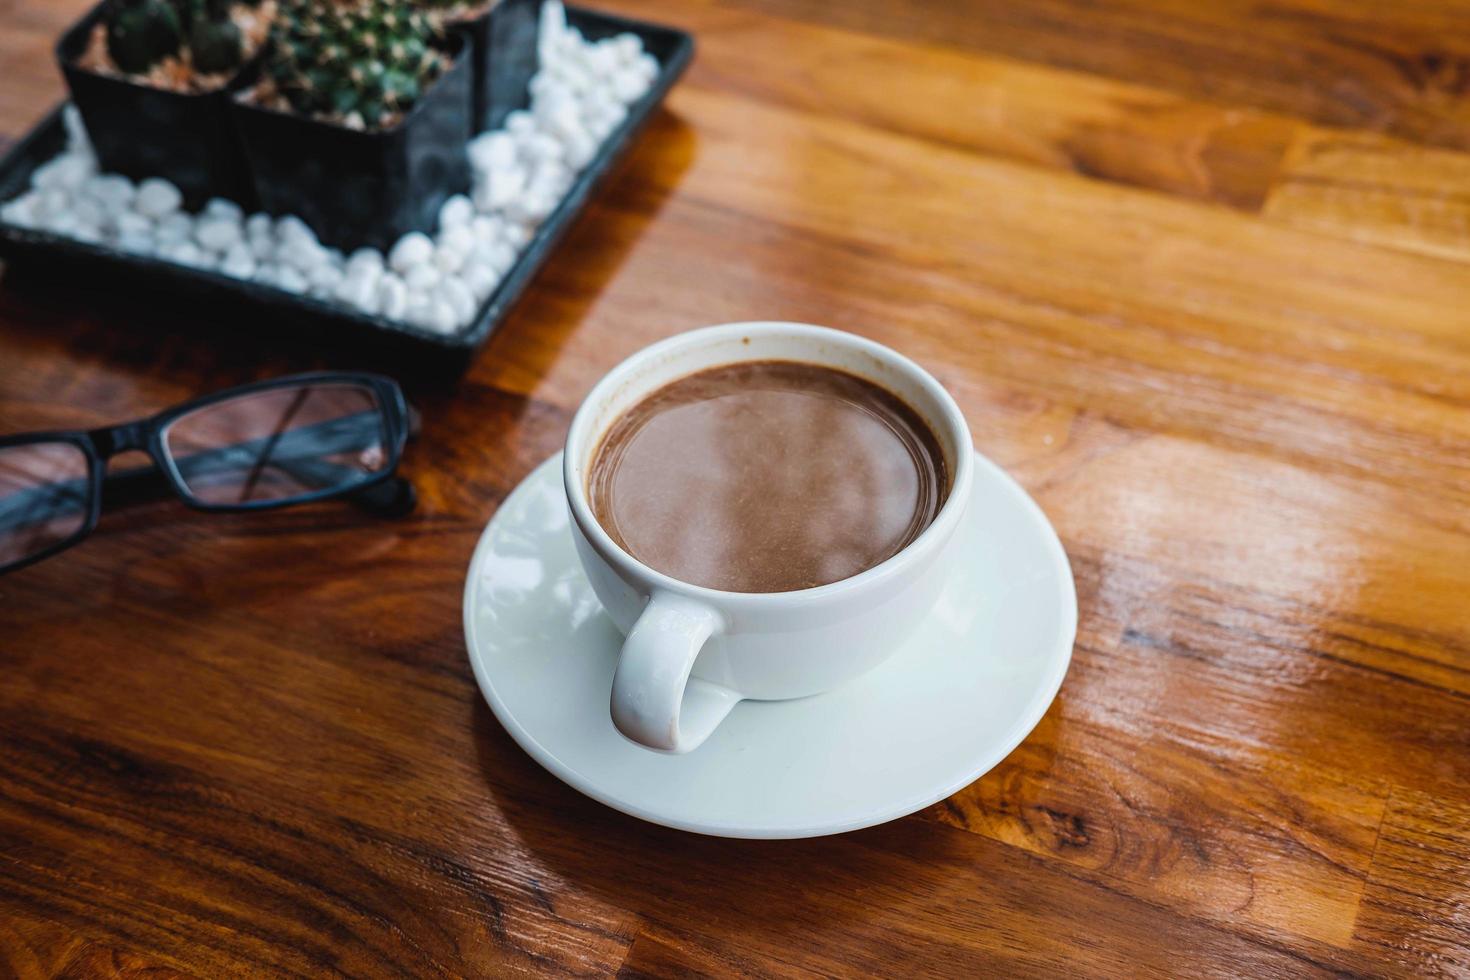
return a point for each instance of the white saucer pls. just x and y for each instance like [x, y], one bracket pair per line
[958, 697]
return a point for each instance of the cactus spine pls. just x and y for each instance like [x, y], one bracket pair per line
[361, 63]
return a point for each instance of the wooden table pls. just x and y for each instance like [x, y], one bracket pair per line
[1199, 275]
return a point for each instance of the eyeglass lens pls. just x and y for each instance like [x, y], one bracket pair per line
[45, 491]
[280, 443]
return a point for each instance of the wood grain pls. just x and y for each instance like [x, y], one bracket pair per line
[1374, 188]
[1131, 134]
[1399, 67]
[1196, 275]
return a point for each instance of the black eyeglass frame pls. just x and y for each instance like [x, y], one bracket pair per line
[147, 434]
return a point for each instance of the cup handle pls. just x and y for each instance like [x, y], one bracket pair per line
[654, 700]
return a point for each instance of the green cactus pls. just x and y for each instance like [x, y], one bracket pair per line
[361, 63]
[141, 33]
[215, 41]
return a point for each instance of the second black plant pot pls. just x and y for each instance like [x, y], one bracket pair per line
[357, 187]
[141, 131]
[504, 47]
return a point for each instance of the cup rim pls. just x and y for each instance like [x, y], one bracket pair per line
[928, 540]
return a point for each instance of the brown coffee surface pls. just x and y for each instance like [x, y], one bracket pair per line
[767, 476]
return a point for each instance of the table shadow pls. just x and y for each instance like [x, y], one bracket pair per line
[47, 317]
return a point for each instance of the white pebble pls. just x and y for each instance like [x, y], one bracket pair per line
[50, 202]
[601, 101]
[456, 211]
[355, 291]
[545, 85]
[519, 123]
[59, 223]
[365, 276]
[291, 230]
[392, 297]
[492, 151]
[460, 298]
[132, 223]
[531, 208]
[363, 259]
[88, 212]
[629, 84]
[608, 117]
[448, 260]
[221, 207]
[551, 97]
[68, 171]
[540, 149]
[580, 151]
[553, 19]
[411, 251]
[303, 254]
[216, 233]
[259, 225]
[183, 252]
[422, 278]
[600, 127]
[418, 310]
[516, 236]
[263, 248]
[552, 177]
[499, 188]
[442, 318]
[173, 227]
[647, 66]
[487, 228]
[289, 279]
[77, 139]
[157, 197]
[459, 238]
[324, 279]
[138, 243]
[576, 78]
[238, 261]
[21, 211]
[481, 279]
[602, 58]
[627, 47]
[113, 191]
[497, 257]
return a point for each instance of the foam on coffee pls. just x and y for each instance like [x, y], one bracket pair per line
[767, 476]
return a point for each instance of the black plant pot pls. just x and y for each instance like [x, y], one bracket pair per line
[505, 53]
[363, 188]
[142, 131]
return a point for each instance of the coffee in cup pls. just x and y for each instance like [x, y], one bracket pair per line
[767, 476]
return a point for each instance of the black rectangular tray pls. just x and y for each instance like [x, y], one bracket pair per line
[25, 247]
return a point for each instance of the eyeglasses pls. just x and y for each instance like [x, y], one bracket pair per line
[257, 447]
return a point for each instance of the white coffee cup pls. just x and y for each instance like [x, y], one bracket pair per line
[692, 653]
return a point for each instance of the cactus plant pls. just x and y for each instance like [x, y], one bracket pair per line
[362, 64]
[179, 44]
[141, 33]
